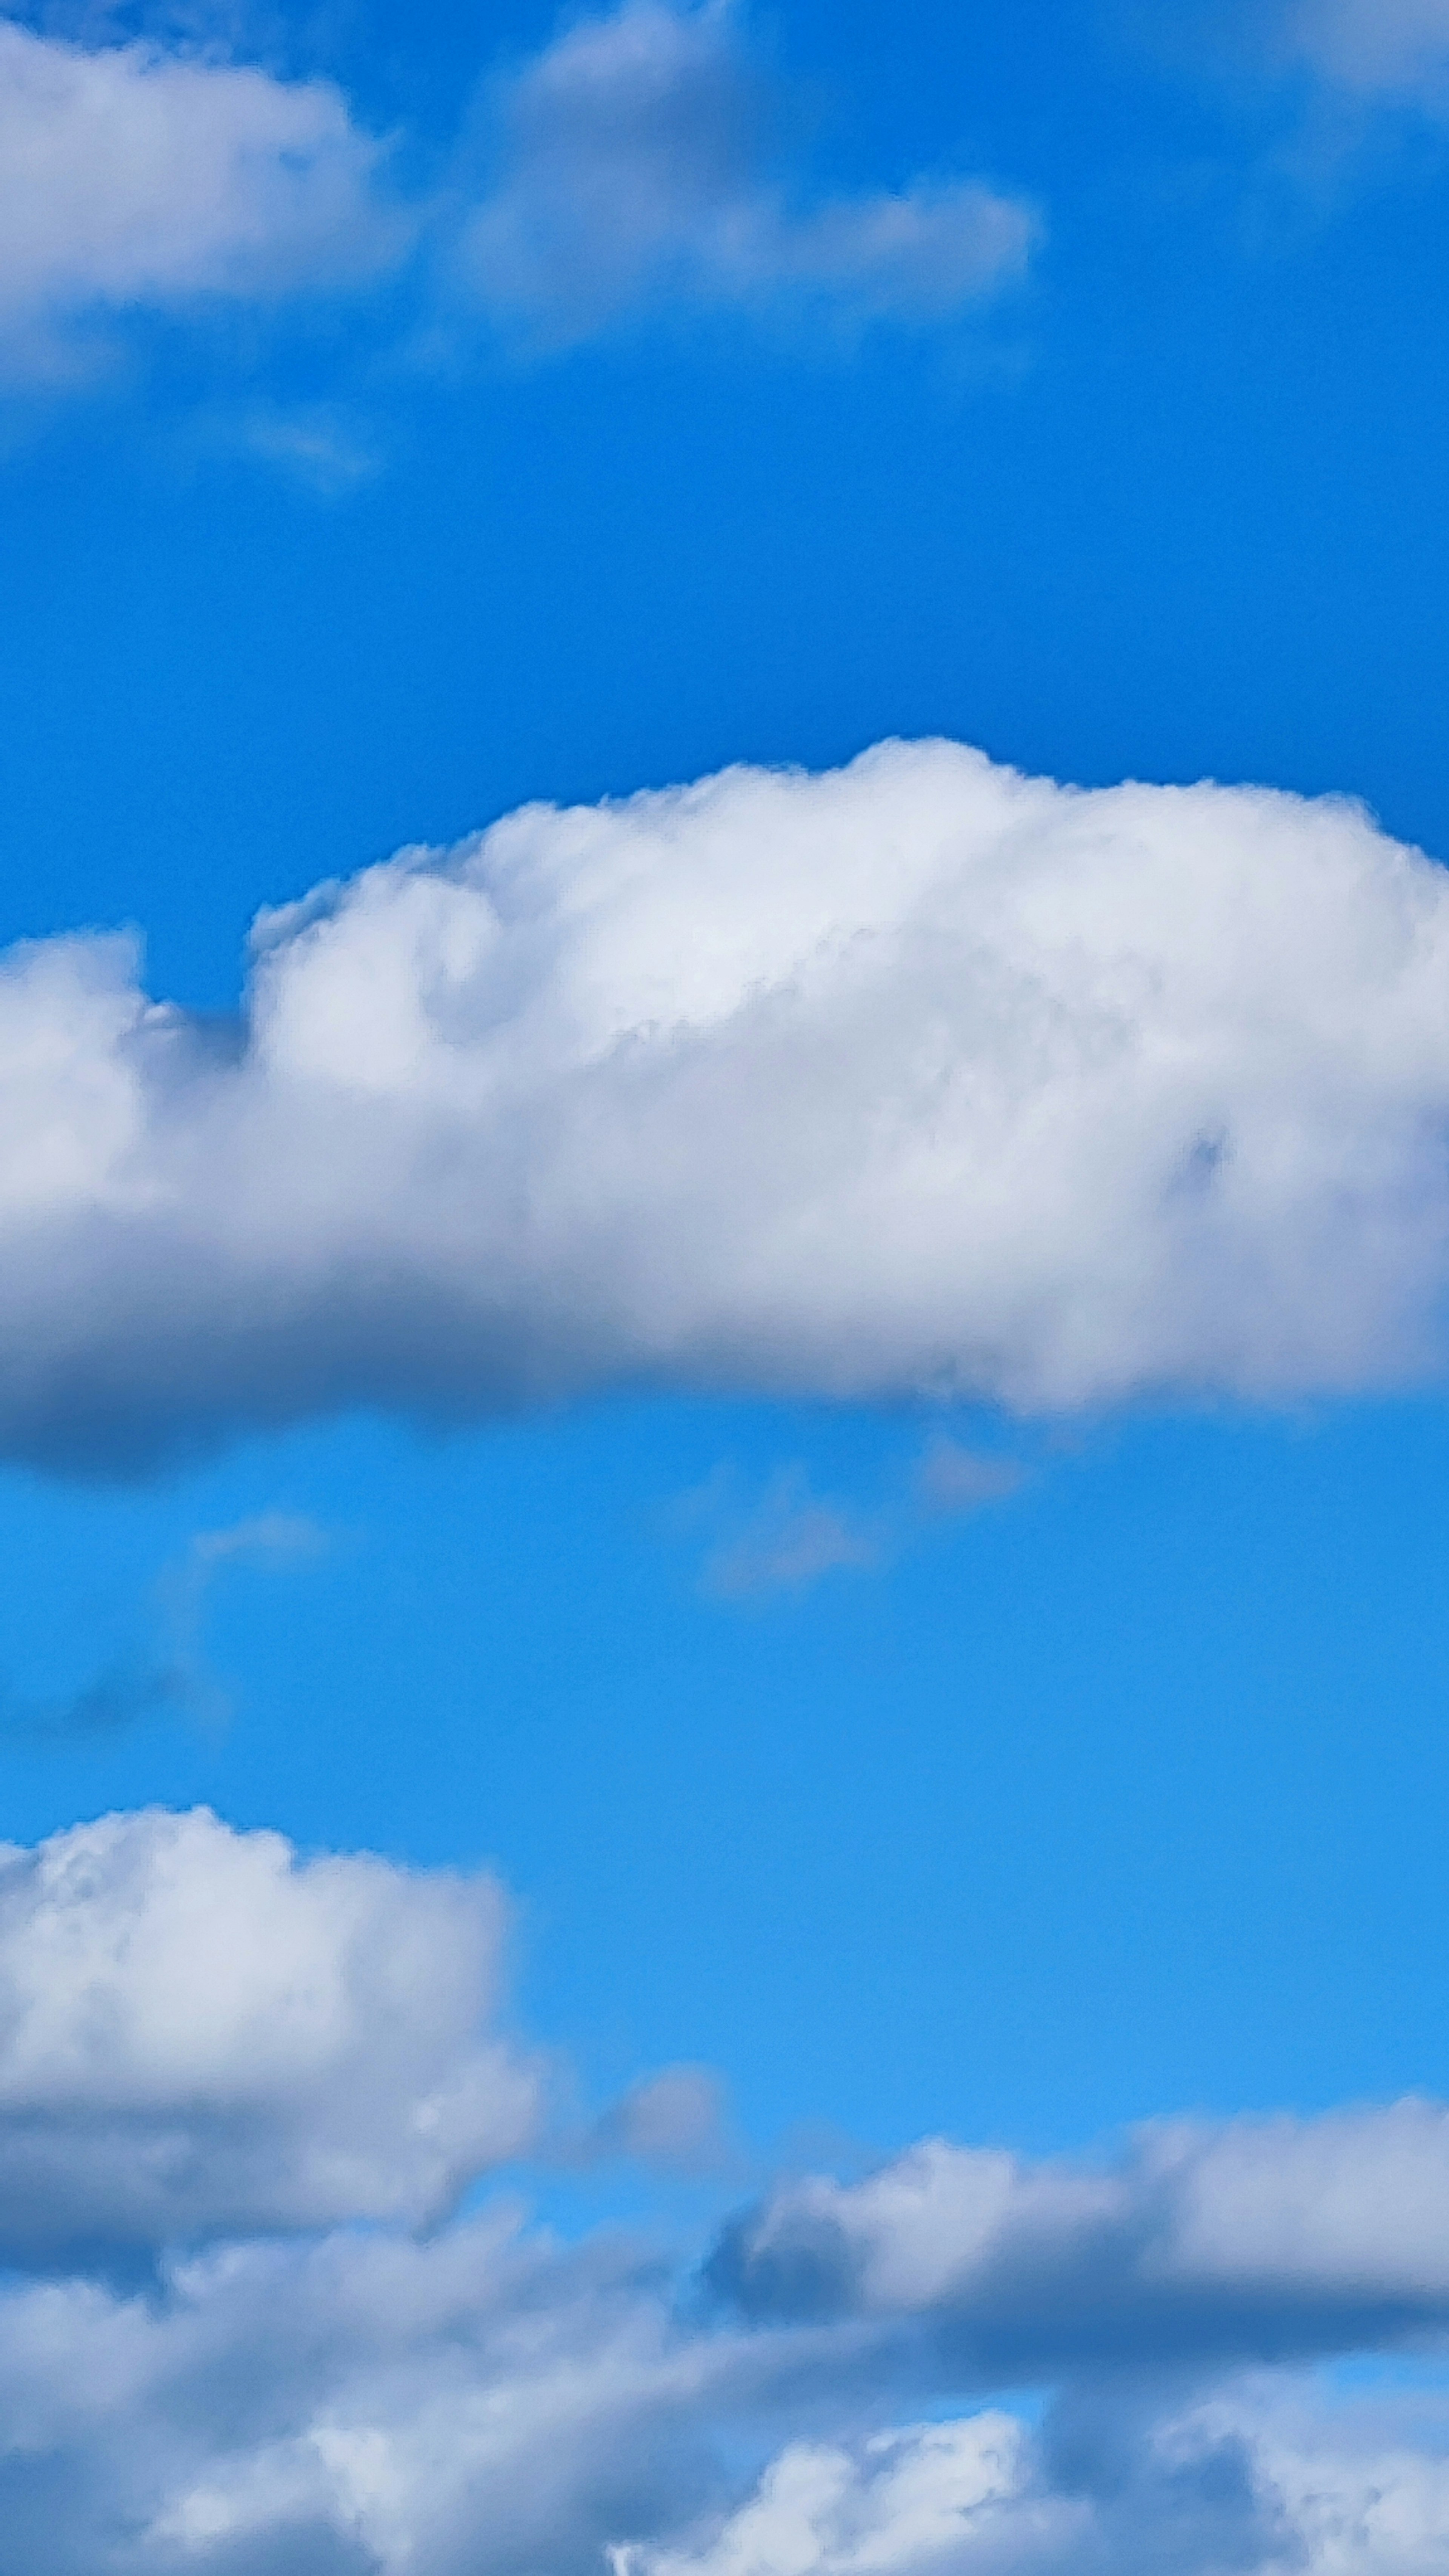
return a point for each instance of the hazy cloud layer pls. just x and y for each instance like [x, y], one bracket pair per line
[202, 2032]
[639, 165]
[917, 1078]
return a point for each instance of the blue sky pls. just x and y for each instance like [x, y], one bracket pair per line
[812, 1405]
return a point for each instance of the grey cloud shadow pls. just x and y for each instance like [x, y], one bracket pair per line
[121, 1695]
[178, 1680]
[1044, 2317]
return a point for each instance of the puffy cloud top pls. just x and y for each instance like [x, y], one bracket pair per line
[920, 1077]
[201, 2032]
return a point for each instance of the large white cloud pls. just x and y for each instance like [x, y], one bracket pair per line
[917, 1077]
[201, 2032]
[637, 166]
[133, 178]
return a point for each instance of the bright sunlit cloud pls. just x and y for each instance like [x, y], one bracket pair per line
[922, 1078]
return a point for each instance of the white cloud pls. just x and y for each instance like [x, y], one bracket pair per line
[202, 2032]
[636, 169]
[199, 2031]
[788, 1540]
[952, 1478]
[1244, 2238]
[483, 2401]
[489, 2403]
[133, 179]
[934, 2497]
[917, 1078]
[631, 168]
[677, 2118]
[1244, 2483]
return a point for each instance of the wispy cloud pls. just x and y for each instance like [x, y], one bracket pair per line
[267, 1542]
[637, 165]
[124, 1693]
[677, 2119]
[325, 449]
[639, 168]
[952, 1478]
[176, 1673]
[1374, 47]
[786, 1541]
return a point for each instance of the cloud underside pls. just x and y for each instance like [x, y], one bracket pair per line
[300, 2379]
[918, 1079]
[628, 168]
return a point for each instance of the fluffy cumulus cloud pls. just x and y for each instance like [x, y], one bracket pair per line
[481, 2401]
[131, 179]
[1242, 2482]
[636, 168]
[201, 2032]
[922, 1077]
[1253, 2238]
[269, 2074]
